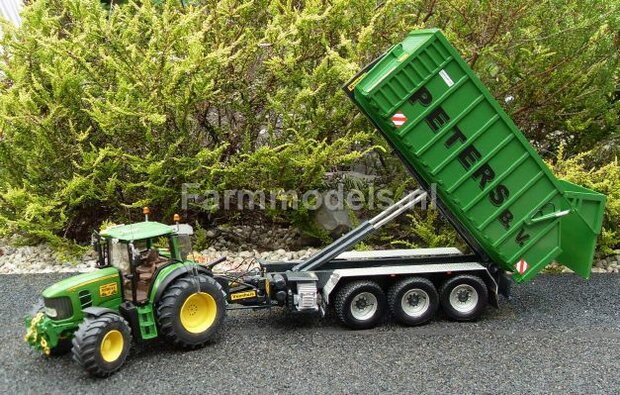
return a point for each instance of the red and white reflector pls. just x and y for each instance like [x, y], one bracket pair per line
[399, 119]
[521, 266]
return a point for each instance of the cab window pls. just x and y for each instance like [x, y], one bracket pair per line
[119, 255]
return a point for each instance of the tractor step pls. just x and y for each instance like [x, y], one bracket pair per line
[146, 319]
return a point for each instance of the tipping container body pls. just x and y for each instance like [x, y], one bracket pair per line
[450, 131]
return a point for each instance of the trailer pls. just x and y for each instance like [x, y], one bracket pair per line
[490, 183]
[451, 135]
[363, 286]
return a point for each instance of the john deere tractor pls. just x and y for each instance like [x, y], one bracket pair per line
[144, 288]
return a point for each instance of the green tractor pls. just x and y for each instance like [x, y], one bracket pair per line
[144, 288]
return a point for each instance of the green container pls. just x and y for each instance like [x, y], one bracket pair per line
[491, 183]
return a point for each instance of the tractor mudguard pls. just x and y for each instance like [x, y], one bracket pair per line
[95, 311]
[176, 273]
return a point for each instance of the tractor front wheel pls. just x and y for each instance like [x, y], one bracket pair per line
[191, 311]
[101, 344]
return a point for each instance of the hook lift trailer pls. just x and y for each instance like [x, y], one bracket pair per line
[362, 286]
[451, 135]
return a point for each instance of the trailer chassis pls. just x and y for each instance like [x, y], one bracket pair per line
[363, 286]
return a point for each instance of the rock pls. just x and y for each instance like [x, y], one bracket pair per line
[245, 254]
[333, 216]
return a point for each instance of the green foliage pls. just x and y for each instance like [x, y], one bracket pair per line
[559, 61]
[104, 110]
[102, 113]
[201, 240]
[606, 180]
[428, 229]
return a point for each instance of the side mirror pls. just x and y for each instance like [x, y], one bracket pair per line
[95, 241]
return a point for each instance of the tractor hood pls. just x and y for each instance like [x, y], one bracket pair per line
[90, 281]
[64, 304]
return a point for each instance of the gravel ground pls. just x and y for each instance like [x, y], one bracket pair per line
[557, 334]
[40, 259]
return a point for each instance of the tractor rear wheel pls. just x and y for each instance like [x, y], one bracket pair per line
[191, 311]
[101, 344]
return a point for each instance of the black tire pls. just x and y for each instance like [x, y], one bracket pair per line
[464, 297]
[354, 298]
[413, 301]
[62, 348]
[191, 326]
[64, 344]
[101, 344]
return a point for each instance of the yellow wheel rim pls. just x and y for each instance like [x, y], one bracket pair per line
[112, 345]
[198, 312]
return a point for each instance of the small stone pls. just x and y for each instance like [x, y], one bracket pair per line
[245, 254]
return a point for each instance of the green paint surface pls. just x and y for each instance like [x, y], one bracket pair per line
[451, 131]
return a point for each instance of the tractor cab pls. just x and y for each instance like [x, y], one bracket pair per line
[139, 251]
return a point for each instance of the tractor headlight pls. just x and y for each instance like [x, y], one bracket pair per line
[58, 308]
[51, 312]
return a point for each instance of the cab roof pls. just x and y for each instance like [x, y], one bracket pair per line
[137, 231]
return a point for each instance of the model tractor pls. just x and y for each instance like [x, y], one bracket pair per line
[144, 289]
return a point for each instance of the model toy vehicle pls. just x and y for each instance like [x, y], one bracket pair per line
[143, 289]
[450, 133]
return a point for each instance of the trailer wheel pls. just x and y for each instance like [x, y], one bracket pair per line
[101, 344]
[413, 301]
[464, 297]
[360, 304]
[191, 311]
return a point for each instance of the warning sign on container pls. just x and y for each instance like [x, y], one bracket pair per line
[521, 266]
[399, 119]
